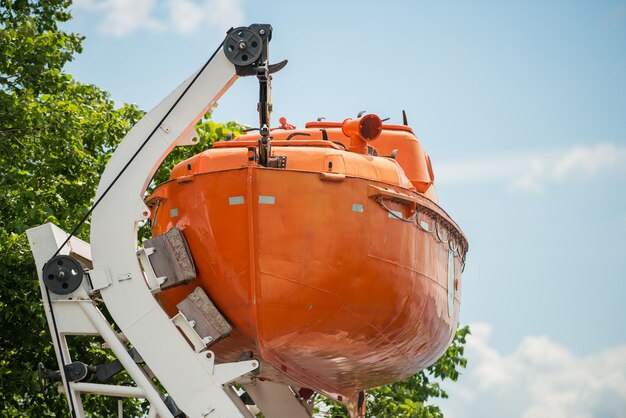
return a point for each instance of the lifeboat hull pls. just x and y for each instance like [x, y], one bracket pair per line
[327, 287]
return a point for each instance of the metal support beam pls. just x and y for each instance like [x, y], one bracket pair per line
[77, 314]
[277, 401]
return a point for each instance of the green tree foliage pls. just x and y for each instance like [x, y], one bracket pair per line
[411, 398]
[208, 133]
[56, 135]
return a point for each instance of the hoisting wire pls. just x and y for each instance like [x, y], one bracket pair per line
[93, 207]
[62, 365]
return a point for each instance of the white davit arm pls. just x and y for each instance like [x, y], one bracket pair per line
[190, 378]
[196, 385]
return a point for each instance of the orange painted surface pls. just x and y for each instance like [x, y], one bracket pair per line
[311, 265]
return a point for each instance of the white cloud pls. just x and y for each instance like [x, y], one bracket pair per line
[186, 16]
[538, 379]
[120, 18]
[533, 171]
[588, 160]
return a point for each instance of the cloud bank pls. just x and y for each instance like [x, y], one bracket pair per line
[538, 379]
[534, 171]
[120, 18]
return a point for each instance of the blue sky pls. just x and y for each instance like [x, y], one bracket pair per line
[522, 107]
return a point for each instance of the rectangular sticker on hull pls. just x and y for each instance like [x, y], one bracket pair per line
[267, 200]
[357, 207]
[235, 200]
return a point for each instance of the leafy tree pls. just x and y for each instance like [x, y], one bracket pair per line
[56, 135]
[410, 398]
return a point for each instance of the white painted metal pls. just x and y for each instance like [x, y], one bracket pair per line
[278, 401]
[109, 390]
[154, 282]
[44, 241]
[234, 397]
[99, 279]
[152, 413]
[70, 320]
[180, 320]
[77, 314]
[97, 319]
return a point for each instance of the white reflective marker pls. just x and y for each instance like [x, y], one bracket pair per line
[357, 207]
[235, 200]
[267, 200]
[451, 276]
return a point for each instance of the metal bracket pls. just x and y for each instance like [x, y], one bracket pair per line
[99, 278]
[187, 327]
[154, 282]
[78, 314]
[248, 49]
[167, 260]
[205, 318]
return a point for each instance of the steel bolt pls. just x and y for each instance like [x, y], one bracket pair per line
[242, 45]
[262, 31]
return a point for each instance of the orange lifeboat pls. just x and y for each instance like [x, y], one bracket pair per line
[334, 264]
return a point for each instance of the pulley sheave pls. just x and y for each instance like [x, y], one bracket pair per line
[243, 46]
[62, 274]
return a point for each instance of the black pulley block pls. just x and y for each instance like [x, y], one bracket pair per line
[62, 274]
[243, 46]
